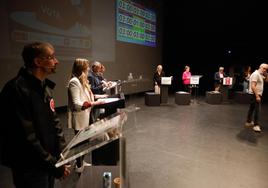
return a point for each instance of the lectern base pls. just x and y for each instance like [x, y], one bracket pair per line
[182, 98]
[242, 98]
[107, 154]
[152, 99]
[213, 97]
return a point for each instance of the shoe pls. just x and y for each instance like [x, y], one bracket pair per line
[257, 128]
[249, 124]
[79, 169]
[86, 164]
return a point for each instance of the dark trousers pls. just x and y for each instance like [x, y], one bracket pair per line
[187, 88]
[32, 178]
[94, 115]
[253, 111]
[79, 160]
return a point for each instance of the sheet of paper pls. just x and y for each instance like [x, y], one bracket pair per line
[108, 100]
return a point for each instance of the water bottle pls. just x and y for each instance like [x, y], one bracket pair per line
[107, 180]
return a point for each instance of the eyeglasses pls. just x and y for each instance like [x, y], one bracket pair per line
[50, 57]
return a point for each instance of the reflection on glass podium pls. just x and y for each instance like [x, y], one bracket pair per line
[97, 135]
[107, 142]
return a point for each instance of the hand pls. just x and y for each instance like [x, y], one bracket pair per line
[110, 84]
[104, 84]
[66, 172]
[86, 105]
[258, 98]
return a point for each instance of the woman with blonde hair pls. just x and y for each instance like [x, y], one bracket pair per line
[157, 78]
[80, 101]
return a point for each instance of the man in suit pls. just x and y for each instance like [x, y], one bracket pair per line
[97, 85]
[218, 78]
[96, 79]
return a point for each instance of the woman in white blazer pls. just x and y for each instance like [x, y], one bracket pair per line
[80, 101]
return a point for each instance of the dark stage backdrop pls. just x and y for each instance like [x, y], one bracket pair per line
[209, 34]
[76, 28]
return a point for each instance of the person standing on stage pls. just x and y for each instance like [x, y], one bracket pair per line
[256, 82]
[96, 80]
[186, 77]
[157, 78]
[97, 86]
[80, 101]
[218, 78]
[31, 131]
[246, 76]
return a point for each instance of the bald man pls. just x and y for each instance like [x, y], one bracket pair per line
[256, 82]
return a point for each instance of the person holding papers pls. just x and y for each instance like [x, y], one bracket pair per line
[80, 101]
[218, 78]
[98, 84]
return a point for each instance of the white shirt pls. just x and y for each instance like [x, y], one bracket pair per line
[259, 79]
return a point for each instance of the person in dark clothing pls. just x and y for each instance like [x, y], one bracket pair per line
[98, 86]
[157, 78]
[218, 79]
[31, 131]
[96, 79]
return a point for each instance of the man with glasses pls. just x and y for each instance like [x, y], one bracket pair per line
[256, 82]
[31, 131]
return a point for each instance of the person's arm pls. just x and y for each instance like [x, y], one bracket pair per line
[155, 79]
[64, 171]
[187, 75]
[217, 76]
[97, 88]
[184, 77]
[254, 90]
[74, 96]
[96, 84]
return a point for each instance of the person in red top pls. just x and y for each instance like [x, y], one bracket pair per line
[186, 76]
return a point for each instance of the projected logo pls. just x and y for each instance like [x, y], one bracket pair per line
[67, 28]
[135, 23]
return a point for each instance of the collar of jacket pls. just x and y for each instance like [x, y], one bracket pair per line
[35, 81]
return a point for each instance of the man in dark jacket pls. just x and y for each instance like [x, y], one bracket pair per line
[96, 80]
[31, 131]
[218, 78]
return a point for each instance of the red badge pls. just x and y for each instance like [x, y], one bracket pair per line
[52, 105]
